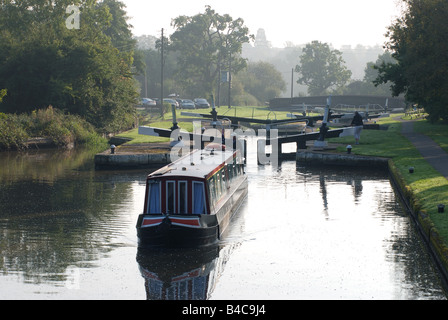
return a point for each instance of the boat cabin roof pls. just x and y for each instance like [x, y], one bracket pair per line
[197, 164]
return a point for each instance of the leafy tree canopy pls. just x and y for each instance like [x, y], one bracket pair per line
[208, 42]
[367, 85]
[263, 81]
[86, 71]
[417, 40]
[2, 94]
[321, 68]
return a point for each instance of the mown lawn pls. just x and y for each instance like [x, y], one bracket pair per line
[137, 138]
[437, 132]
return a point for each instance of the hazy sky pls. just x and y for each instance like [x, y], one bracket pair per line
[339, 22]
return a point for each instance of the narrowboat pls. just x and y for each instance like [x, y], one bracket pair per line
[191, 201]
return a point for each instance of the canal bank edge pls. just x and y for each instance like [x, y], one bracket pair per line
[437, 247]
[121, 161]
[340, 159]
[125, 156]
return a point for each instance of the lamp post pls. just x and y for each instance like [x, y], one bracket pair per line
[162, 63]
[230, 76]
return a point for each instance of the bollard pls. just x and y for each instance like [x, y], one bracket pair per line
[441, 208]
[411, 170]
[112, 149]
[349, 149]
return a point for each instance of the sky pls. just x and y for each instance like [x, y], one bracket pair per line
[337, 22]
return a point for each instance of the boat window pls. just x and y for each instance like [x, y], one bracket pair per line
[198, 198]
[230, 172]
[170, 196]
[212, 186]
[225, 177]
[154, 197]
[183, 197]
[218, 184]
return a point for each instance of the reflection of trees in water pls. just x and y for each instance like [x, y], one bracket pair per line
[408, 252]
[57, 216]
[41, 165]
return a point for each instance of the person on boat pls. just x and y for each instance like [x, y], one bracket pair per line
[358, 124]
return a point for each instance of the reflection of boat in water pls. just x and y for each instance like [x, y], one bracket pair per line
[191, 201]
[182, 274]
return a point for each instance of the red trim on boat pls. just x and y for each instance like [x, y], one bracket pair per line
[185, 222]
[151, 222]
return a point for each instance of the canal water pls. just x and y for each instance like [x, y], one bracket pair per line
[68, 231]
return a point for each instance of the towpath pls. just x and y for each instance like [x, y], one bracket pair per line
[428, 148]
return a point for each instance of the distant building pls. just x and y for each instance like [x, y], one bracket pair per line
[261, 41]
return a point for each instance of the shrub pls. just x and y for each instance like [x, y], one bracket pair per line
[12, 135]
[62, 129]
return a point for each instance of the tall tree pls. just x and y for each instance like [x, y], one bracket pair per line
[417, 40]
[321, 68]
[208, 42]
[262, 80]
[46, 63]
[367, 85]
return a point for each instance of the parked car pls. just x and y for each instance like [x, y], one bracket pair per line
[146, 102]
[172, 102]
[187, 104]
[201, 103]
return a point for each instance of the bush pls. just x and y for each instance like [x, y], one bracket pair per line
[62, 129]
[246, 100]
[12, 135]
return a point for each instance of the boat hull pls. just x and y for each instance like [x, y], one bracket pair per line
[154, 230]
[176, 230]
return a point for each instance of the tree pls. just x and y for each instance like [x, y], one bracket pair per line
[321, 68]
[262, 80]
[3, 93]
[367, 85]
[417, 40]
[207, 43]
[80, 71]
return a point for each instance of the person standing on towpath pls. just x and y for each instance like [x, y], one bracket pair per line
[358, 124]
